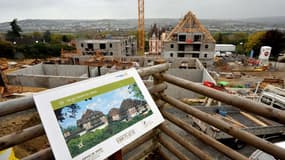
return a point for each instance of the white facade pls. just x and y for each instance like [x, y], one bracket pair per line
[223, 48]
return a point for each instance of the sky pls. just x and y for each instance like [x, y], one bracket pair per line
[104, 103]
[124, 9]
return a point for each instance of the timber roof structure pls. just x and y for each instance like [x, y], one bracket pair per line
[190, 24]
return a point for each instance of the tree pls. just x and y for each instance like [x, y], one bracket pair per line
[219, 38]
[72, 110]
[37, 36]
[254, 42]
[276, 40]
[136, 91]
[7, 49]
[13, 34]
[47, 36]
[56, 38]
[65, 38]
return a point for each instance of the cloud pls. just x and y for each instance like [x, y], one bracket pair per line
[100, 9]
[114, 104]
[92, 106]
[124, 93]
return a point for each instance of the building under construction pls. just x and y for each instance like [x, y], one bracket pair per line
[185, 132]
[117, 46]
[189, 38]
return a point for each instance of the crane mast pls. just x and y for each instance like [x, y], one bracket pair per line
[141, 26]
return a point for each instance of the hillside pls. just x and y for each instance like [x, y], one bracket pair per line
[57, 25]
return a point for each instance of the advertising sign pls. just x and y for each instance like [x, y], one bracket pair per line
[94, 118]
[265, 52]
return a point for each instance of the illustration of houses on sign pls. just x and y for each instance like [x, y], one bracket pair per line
[92, 120]
[132, 107]
[114, 114]
[66, 133]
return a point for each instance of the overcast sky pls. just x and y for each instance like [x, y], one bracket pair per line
[114, 9]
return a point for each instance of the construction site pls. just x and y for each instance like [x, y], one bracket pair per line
[223, 107]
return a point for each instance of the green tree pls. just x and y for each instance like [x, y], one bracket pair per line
[7, 49]
[254, 42]
[56, 38]
[37, 35]
[276, 40]
[73, 110]
[65, 38]
[230, 38]
[136, 91]
[47, 36]
[146, 45]
[13, 34]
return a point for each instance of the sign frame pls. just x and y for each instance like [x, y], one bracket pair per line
[77, 117]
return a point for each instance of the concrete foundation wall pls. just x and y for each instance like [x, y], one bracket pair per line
[41, 81]
[146, 61]
[35, 70]
[279, 66]
[50, 76]
[207, 77]
[194, 75]
[64, 70]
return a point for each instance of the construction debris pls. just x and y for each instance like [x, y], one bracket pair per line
[3, 64]
[255, 120]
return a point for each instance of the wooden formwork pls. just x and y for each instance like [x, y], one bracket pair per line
[155, 139]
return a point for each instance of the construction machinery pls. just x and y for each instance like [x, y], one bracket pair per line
[273, 96]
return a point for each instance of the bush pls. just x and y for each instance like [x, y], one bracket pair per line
[42, 50]
[7, 49]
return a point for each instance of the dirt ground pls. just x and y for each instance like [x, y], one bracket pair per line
[248, 75]
[253, 77]
[22, 120]
[18, 122]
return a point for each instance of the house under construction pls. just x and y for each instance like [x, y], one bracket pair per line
[117, 46]
[189, 38]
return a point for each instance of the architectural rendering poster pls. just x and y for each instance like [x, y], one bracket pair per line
[92, 119]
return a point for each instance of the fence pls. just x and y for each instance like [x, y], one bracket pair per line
[155, 139]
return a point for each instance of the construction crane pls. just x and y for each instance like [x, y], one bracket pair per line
[141, 26]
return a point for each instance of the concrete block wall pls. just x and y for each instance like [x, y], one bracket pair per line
[207, 77]
[64, 70]
[34, 70]
[192, 62]
[210, 51]
[167, 46]
[49, 76]
[194, 75]
[41, 81]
